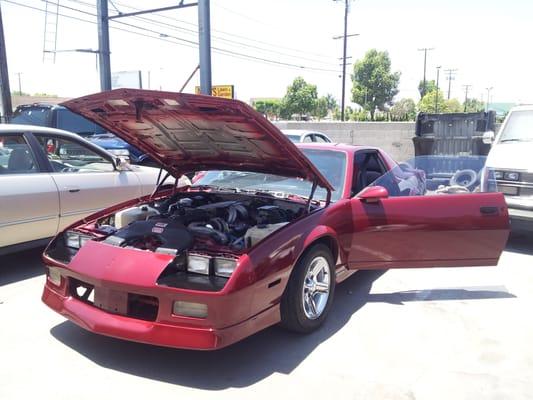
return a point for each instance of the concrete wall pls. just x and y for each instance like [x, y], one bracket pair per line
[393, 137]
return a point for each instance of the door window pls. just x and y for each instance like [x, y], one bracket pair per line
[16, 156]
[308, 139]
[368, 168]
[68, 155]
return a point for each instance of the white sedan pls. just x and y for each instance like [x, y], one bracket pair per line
[306, 136]
[51, 178]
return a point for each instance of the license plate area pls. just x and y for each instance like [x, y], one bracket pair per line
[110, 300]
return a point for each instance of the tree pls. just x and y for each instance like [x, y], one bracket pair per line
[403, 110]
[268, 107]
[374, 86]
[300, 98]
[453, 106]
[427, 103]
[321, 109]
[331, 102]
[473, 105]
[430, 86]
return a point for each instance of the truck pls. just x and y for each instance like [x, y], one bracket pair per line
[510, 163]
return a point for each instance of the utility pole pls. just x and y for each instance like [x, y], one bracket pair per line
[451, 76]
[7, 108]
[204, 33]
[20, 84]
[104, 54]
[425, 50]
[466, 87]
[345, 37]
[437, 91]
[489, 89]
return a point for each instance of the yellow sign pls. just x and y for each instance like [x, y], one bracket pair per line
[225, 91]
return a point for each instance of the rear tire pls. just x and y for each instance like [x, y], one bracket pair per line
[309, 293]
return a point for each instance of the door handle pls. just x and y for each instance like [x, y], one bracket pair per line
[487, 210]
[73, 189]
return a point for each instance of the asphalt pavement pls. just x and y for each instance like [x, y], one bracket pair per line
[461, 333]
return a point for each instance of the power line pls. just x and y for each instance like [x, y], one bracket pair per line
[277, 46]
[195, 33]
[180, 41]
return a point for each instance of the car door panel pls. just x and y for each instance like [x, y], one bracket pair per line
[429, 231]
[82, 194]
[29, 208]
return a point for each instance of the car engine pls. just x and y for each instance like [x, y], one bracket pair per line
[199, 221]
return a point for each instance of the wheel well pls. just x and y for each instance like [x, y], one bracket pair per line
[330, 242]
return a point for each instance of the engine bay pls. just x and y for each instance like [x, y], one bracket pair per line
[199, 221]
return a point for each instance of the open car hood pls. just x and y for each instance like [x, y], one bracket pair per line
[185, 132]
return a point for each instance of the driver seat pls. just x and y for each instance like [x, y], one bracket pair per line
[19, 161]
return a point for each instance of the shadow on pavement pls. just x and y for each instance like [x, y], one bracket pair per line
[242, 364]
[520, 242]
[20, 266]
[474, 293]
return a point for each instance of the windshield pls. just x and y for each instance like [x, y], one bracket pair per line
[31, 116]
[69, 121]
[332, 164]
[519, 127]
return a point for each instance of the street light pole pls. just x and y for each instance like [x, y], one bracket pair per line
[489, 89]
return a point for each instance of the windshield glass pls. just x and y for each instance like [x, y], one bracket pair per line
[69, 121]
[519, 127]
[332, 164]
[31, 116]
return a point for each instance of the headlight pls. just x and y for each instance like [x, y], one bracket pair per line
[119, 152]
[76, 240]
[224, 266]
[511, 176]
[498, 174]
[198, 264]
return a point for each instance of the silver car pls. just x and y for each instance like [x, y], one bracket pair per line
[307, 136]
[51, 178]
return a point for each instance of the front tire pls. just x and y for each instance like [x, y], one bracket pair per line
[309, 292]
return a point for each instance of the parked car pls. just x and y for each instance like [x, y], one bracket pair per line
[306, 136]
[510, 160]
[56, 116]
[51, 178]
[262, 238]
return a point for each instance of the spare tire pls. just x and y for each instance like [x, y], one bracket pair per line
[466, 178]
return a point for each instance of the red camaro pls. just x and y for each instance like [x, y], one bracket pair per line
[261, 238]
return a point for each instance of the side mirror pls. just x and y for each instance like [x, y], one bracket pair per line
[373, 194]
[122, 164]
[488, 137]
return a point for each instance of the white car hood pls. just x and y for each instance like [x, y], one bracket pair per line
[511, 155]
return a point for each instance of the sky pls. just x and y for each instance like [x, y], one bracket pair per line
[261, 46]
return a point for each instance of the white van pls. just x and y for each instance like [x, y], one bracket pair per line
[511, 162]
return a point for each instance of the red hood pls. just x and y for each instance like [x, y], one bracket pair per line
[186, 133]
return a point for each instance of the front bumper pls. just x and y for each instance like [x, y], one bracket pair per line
[102, 322]
[521, 220]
